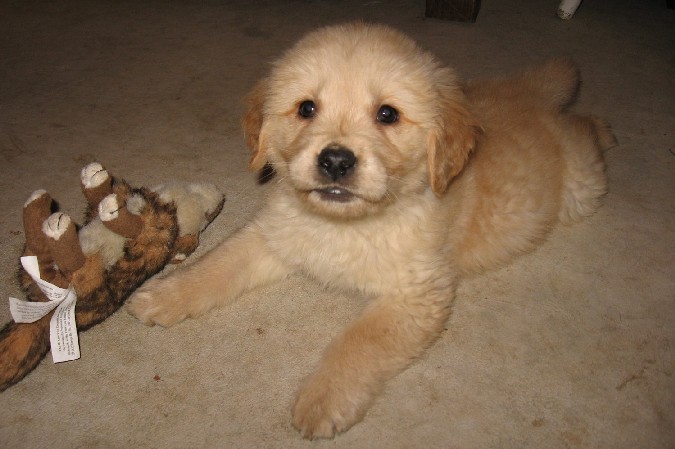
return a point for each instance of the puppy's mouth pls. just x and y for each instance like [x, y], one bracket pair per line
[335, 193]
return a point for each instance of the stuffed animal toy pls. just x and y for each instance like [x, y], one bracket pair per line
[129, 235]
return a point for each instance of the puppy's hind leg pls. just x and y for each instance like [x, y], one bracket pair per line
[237, 265]
[584, 178]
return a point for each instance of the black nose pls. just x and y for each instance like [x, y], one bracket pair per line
[336, 162]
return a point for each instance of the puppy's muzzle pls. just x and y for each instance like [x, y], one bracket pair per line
[336, 162]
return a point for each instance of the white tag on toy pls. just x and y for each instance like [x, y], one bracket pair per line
[53, 293]
[62, 327]
[63, 331]
[29, 311]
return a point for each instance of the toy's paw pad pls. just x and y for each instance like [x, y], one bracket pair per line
[108, 208]
[93, 175]
[55, 226]
[157, 302]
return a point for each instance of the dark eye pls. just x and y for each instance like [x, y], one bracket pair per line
[307, 109]
[387, 115]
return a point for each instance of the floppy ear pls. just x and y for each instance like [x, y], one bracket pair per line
[252, 125]
[452, 142]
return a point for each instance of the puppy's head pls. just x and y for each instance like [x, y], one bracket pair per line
[354, 117]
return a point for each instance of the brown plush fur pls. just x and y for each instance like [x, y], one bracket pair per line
[148, 238]
[100, 293]
[467, 177]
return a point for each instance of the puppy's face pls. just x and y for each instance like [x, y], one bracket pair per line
[354, 117]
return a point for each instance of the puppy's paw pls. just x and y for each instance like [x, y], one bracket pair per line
[325, 406]
[158, 301]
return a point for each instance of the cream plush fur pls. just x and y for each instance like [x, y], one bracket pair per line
[462, 178]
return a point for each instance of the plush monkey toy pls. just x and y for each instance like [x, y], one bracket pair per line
[129, 235]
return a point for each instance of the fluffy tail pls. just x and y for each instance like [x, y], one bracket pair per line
[555, 83]
[22, 348]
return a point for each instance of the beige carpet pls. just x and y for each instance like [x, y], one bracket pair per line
[570, 347]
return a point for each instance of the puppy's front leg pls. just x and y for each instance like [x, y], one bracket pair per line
[238, 264]
[381, 343]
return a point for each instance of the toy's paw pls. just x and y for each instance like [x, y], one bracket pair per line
[55, 226]
[109, 208]
[116, 217]
[158, 301]
[93, 175]
[96, 183]
[39, 198]
[325, 406]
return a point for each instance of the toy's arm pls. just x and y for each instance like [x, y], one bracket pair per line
[96, 183]
[35, 211]
[63, 243]
[115, 216]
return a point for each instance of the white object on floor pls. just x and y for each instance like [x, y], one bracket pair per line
[567, 8]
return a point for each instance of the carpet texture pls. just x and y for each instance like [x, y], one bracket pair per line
[569, 347]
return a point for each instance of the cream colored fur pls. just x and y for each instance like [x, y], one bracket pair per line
[194, 201]
[468, 177]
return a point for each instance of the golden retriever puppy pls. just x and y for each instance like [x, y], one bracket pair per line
[394, 179]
